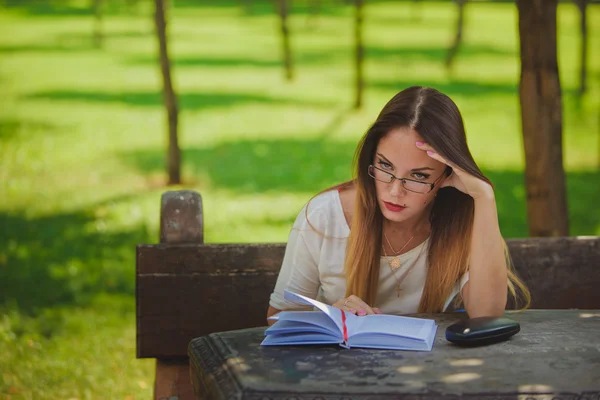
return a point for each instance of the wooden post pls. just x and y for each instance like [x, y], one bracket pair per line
[283, 10]
[359, 53]
[460, 22]
[181, 221]
[541, 116]
[169, 97]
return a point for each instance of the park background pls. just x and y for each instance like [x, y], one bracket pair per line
[83, 140]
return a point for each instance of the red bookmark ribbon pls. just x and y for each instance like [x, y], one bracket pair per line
[344, 325]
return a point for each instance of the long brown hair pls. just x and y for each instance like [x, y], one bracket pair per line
[437, 119]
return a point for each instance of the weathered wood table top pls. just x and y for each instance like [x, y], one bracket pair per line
[555, 356]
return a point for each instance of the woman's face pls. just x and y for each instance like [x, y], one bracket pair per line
[397, 154]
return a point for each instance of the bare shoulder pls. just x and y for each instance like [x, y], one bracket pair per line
[348, 198]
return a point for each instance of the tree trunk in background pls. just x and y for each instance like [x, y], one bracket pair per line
[359, 54]
[98, 36]
[416, 10]
[313, 13]
[460, 22]
[283, 9]
[582, 5]
[169, 97]
[247, 6]
[541, 116]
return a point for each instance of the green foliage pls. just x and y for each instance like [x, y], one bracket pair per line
[82, 145]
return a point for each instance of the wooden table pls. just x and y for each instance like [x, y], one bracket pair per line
[555, 356]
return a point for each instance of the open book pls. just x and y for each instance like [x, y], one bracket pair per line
[331, 325]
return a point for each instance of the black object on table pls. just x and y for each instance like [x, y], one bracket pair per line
[555, 356]
[482, 331]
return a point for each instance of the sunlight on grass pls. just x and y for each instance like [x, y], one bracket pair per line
[73, 353]
[82, 144]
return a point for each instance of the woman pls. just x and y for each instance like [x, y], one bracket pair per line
[416, 227]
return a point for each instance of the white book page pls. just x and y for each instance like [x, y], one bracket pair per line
[335, 314]
[303, 320]
[385, 341]
[300, 328]
[379, 341]
[413, 328]
[431, 337]
[295, 339]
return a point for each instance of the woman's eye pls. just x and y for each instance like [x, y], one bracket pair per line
[420, 177]
[385, 165]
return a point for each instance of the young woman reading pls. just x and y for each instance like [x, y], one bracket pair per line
[414, 230]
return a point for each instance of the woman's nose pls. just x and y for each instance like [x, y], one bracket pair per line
[397, 188]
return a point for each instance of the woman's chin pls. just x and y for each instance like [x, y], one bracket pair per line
[395, 216]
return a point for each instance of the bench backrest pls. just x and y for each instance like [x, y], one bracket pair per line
[186, 290]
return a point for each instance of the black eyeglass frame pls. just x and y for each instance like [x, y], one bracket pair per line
[404, 180]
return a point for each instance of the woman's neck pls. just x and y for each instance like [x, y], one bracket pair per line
[411, 232]
[414, 226]
[402, 232]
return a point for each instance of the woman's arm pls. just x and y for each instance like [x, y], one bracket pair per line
[485, 292]
[299, 271]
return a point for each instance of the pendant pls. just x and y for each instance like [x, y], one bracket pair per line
[395, 263]
[398, 290]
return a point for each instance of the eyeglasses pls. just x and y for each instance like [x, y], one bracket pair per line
[408, 184]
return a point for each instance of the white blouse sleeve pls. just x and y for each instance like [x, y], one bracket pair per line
[299, 271]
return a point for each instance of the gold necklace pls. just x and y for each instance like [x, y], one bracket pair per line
[395, 264]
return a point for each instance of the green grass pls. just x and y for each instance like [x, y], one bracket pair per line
[82, 144]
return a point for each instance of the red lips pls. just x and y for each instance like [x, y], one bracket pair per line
[393, 207]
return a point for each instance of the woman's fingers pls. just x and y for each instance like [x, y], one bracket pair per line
[344, 304]
[358, 304]
[431, 152]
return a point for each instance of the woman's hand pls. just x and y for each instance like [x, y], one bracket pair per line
[356, 306]
[460, 179]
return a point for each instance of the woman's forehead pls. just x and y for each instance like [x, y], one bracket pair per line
[398, 146]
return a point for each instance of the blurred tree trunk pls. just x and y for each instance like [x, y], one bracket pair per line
[460, 22]
[98, 35]
[247, 6]
[541, 116]
[416, 9]
[283, 9]
[360, 52]
[582, 5]
[169, 97]
[313, 13]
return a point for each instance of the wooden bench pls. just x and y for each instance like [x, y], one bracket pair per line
[186, 289]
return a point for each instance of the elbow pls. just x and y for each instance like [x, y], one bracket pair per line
[271, 312]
